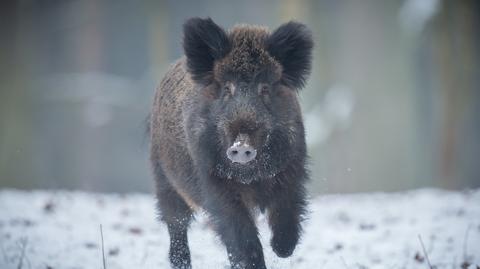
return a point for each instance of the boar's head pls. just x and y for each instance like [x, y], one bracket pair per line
[249, 78]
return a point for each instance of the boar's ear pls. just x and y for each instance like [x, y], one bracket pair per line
[203, 42]
[291, 44]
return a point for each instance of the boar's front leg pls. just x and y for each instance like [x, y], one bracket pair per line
[284, 216]
[234, 224]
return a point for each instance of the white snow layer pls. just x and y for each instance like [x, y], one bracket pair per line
[61, 229]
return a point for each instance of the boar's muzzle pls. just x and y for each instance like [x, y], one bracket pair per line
[241, 151]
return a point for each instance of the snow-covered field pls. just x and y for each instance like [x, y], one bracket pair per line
[61, 229]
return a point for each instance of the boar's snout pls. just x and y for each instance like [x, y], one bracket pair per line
[241, 152]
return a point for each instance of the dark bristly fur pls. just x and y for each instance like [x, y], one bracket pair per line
[241, 82]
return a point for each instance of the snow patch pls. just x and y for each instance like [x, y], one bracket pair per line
[61, 230]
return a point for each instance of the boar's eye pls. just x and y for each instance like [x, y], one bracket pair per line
[229, 89]
[263, 89]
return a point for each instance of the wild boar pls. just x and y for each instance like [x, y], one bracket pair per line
[227, 137]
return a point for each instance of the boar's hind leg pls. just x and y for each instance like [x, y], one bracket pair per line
[177, 215]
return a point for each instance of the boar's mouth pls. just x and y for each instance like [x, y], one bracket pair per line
[256, 170]
[244, 167]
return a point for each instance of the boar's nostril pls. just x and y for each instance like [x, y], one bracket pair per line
[241, 153]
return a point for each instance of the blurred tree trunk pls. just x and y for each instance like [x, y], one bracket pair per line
[15, 105]
[456, 55]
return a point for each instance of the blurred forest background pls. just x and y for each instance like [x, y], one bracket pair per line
[393, 102]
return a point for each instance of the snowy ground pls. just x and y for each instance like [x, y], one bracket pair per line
[61, 230]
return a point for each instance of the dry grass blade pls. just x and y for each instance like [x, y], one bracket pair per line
[425, 252]
[465, 243]
[466, 259]
[344, 262]
[23, 243]
[103, 248]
